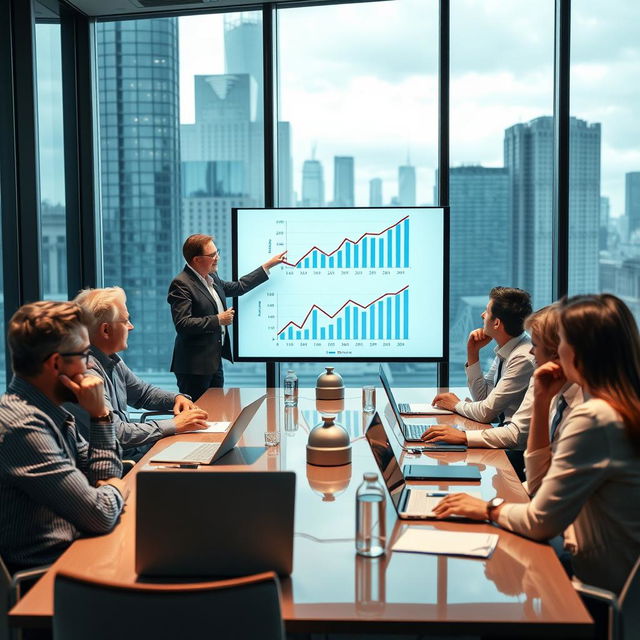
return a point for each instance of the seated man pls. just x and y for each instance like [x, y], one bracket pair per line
[498, 394]
[54, 485]
[109, 324]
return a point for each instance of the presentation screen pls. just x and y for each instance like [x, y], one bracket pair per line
[357, 284]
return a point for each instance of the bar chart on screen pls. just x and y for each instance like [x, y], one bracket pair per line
[356, 283]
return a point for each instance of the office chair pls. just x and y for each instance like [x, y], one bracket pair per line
[11, 588]
[240, 609]
[624, 610]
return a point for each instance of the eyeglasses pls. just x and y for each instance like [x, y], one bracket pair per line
[68, 354]
[215, 254]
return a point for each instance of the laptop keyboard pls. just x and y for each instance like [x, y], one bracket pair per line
[404, 407]
[204, 452]
[414, 431]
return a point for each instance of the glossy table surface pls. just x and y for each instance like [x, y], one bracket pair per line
[520, 591]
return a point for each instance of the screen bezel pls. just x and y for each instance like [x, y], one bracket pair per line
[238, 357]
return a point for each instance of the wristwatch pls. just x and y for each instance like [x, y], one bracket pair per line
[105, 419]
[494, 503]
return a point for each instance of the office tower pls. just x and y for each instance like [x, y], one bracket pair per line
[605, 212]
[528, 155]
[632, 200]
[285, 166]
[312, 184]
[407, 185]
[480, 256]
[343, 181]
[375, 192]
[140, 155]
[53, 250]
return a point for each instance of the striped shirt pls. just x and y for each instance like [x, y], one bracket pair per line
[48, 477]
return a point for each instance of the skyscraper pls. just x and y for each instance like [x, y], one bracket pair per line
[140, 159]
[632, 200]
[375, 192]
[343, 181]
[528, 154]
[407, 185]
[605, 214]
[312, 184]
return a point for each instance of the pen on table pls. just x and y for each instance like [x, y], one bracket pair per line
[437, 494]
[185, 465]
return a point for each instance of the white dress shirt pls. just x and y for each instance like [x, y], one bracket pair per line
[504, 396]
[593, 482]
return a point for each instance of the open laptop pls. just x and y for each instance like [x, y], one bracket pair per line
[214, 523]
[190, 452]
[412, 408]
[411, 431]
[411, 503]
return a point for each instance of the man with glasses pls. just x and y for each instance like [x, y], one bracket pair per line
[109, 324]
[197, 299]
[54, 485]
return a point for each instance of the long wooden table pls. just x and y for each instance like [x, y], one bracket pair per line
[521, 591]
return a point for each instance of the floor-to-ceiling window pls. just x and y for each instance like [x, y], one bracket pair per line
[357, 109]
[501, 169]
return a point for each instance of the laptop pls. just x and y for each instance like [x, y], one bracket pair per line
[214, 523]
[413, 408]
[411, 431]
[190, 452]
[411, 503]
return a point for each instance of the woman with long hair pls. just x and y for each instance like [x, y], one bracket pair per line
[593, 480]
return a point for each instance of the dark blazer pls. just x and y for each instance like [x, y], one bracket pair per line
[198, 349]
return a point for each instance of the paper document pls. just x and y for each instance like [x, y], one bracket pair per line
[426, 409]
[451, 543]
[212, 427]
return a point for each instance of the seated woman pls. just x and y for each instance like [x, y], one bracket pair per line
[593, 479]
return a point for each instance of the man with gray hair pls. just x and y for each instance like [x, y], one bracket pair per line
[109, 324]
[54, 485]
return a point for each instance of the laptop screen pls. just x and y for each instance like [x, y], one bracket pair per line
[385, 459]
[392, 400]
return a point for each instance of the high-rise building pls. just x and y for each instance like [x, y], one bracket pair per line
[632, 200]
[140, 160]
[407, 185]
[605, 214]
[375, 192]
[312, 184]
[528, 156]
[343, 181]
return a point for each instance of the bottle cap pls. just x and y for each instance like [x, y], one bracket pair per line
[370, 477]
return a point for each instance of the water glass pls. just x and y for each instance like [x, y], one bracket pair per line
[368, 399]
[272, 438]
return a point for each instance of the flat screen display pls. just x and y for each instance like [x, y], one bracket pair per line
[357, 284]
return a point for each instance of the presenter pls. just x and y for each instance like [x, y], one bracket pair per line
[200, 315]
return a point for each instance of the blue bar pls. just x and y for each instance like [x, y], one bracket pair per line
[306, 263]
[388, 318]
[331, 262]
[347, 323]
[373, 253]
[298, 335]
[398, 233]
[397, 327]
[406, 242]
[299, 265]
[314, 324]
[306, 334]
[323, 260]
[330, 332]
[290, 333]
[347, 255]
[372, 323]
[405, 295]
[323, 333]
[355, 323]
[380, 319]
[390, 248]
[364, 325]
[282, 336]
[356, 256]
[339, 328]
[314, 257]
[381, 253]
[364, 253]
[340, 259]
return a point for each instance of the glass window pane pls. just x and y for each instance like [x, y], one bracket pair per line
[501, 159]
[53, 234]
[357, 122]
[3, 355]
[604, 195]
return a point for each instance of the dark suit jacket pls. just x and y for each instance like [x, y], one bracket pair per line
[198, 347]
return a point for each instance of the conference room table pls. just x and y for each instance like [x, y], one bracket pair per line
[520, 591]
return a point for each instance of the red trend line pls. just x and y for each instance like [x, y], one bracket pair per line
[316, 248]
[362, 306]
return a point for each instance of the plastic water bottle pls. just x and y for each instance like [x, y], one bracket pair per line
[291, 389]
[371, 533]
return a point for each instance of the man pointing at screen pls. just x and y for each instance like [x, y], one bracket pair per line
[200, 315]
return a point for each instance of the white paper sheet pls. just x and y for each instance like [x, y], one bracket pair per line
[421, 540]
[213, 427]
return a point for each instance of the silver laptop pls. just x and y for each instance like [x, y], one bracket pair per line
[413, 408]
[411, 503]
[214, 523]
[190, 452]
